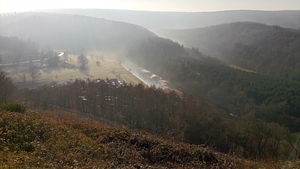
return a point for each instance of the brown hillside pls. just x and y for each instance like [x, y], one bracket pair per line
[60, 139]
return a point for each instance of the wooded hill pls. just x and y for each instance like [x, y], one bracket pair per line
[238, 92]
[71, 32]
[187, 20]
[14, 50]
[270, 50]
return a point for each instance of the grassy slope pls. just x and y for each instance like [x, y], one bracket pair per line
[63, 140]
[108, 69]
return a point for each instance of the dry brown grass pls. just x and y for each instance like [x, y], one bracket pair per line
[64, 139]
[108, 68]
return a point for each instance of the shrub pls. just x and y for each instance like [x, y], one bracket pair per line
[13, 107]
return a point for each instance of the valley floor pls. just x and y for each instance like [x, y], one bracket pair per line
[107, 68]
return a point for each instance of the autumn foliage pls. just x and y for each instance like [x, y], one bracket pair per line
[60, 139]
[174, 116]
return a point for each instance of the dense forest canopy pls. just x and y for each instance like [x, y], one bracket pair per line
[234, 90]
[270, 50]
[12, 49]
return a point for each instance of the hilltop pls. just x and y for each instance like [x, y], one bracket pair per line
[187, 20]
[71, 32]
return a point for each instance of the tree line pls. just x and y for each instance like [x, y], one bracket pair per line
[168, 114]
[272, 99]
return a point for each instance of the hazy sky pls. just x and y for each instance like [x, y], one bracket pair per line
[151, 5]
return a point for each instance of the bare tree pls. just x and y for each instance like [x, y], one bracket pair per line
[82, 62]
[34, 72]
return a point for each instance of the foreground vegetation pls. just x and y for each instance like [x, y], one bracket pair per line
[59, 139]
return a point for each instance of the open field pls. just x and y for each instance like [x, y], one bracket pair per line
[107, 68]
[130, 78]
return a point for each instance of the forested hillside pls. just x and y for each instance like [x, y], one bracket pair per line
[14, 50]
[72, 32]
[270, 98]
[270, 50]
[186, 20]
[173, 116]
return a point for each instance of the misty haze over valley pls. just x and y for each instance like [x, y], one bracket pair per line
[117, 88]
